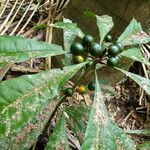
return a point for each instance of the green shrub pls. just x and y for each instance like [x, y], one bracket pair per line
[28, 103]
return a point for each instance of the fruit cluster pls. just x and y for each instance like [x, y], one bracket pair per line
[88, 47]
[82, 89]
[113, 51]
[80, 51]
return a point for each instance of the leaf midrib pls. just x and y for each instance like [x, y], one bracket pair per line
[28, 94]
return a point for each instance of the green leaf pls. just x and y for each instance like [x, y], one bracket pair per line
[67, 61]
[98, 135]
[106, 87]
[3, 71]
[58, 139]
[134, 35]
[89, 13]
[40, 26]
[105, 24]
[144, 146]
[121, 139]
[101, 132]
[141, 81]
[145, 132]
[78, 116]
[72, 27]
[135, 54]
[26, 104]
[17, 49]
[69, 36]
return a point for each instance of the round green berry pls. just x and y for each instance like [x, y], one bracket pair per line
[88, 40]
[113, 61]
[120, 46]
[108, 38]
[96, 50]
[77, 48]
[68, 91]
[91, 86]
[113, 50]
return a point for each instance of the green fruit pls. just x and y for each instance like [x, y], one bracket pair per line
[69, 92]
[120, 46]
[91, 86]
[88, 40]
[77, 48]
[96, 50]
[108, 38]
[113, 61]
[117, 57]
[78, 59]
[113, 50]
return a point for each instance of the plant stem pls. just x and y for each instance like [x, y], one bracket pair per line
[64, 98]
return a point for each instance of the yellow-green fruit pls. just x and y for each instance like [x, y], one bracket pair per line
[78, 59]
[82, 89]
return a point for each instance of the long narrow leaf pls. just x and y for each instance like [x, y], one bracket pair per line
[78, 117]
[145, 132]
[19, 44]
[105, 24]
[3, 71]
[135, 54]
[16, 49]
[72, 27]
[23, 105]
[123, 141]
[144, 146]
[58, 140]
[101, 132]
[134, 34]
[98, 135]
[141, 81]
[69, 36]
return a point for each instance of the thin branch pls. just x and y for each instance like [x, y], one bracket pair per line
[49, 31]
[5, 6]
[65, 4]
[10, 22]
[21, 30]
[33, 29]
[21, 18]
[6, 20]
